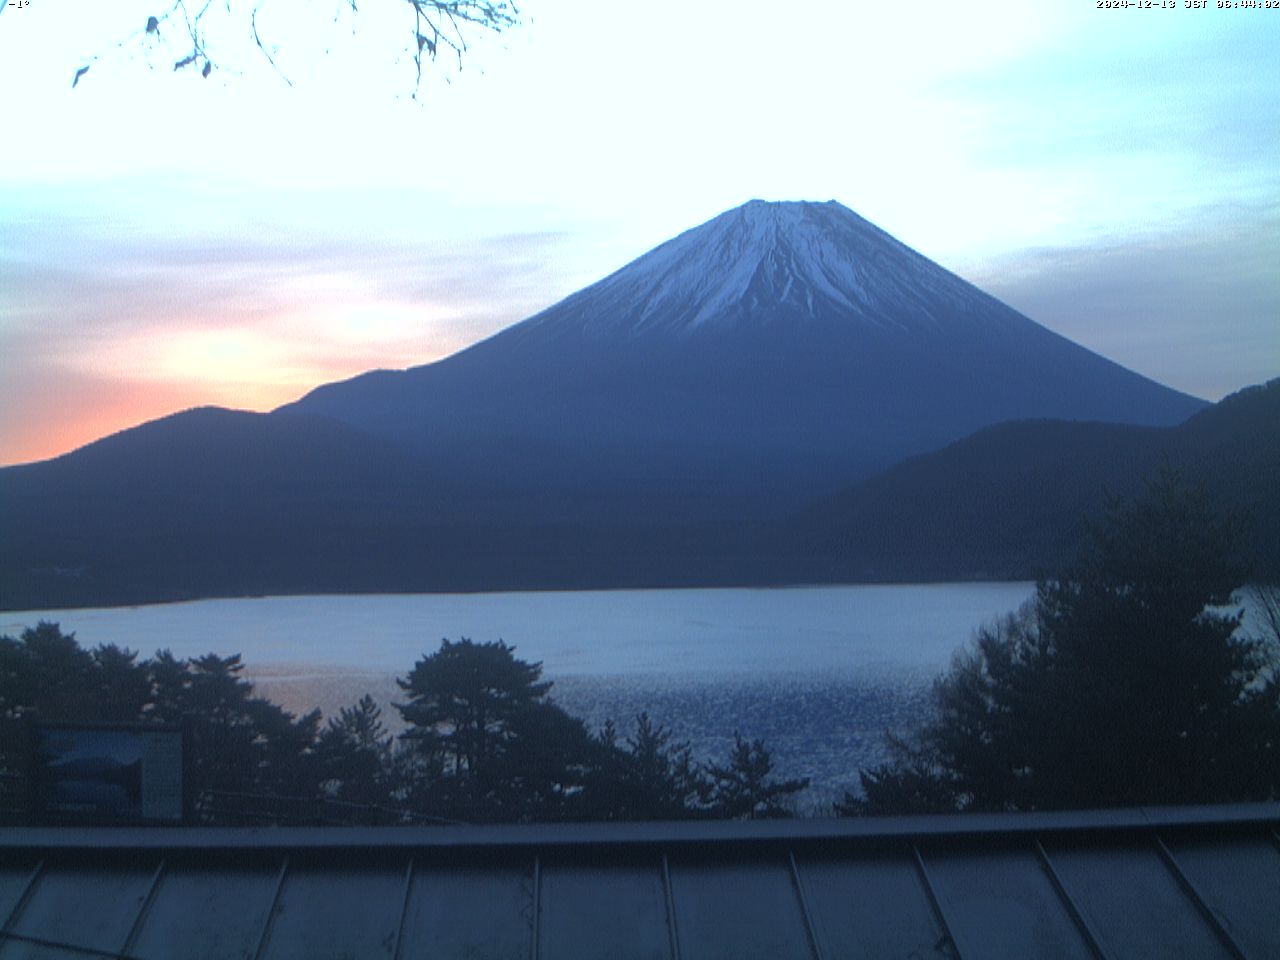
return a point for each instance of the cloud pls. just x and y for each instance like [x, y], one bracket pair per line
[116, 256]
[239, 298]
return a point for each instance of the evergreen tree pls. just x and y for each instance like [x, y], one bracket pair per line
[238, 743]
[1126, 681]
[462, 699]
[743, 789]
[653, 778]
[547, 770]
[488, 744]
[354, 755]
[48, 672]
[122, 689]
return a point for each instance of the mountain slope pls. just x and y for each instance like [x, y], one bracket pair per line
[204, 502]
[1010, 502]
[775, 353]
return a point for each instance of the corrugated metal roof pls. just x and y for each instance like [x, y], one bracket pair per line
[1158, 883]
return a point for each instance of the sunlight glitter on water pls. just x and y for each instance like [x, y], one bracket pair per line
[819, 673]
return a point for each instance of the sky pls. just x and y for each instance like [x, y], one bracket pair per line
[169, 241]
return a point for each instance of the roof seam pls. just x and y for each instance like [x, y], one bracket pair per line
[271, 910]
[535, 919]
[65, 945]
[136, 927]
[811, 929]
[932, 893]
[23, 899]
[1077, 915]
[404, 909]
[671, 908]
[1189, 890]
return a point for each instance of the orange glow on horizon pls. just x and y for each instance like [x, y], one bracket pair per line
[51, 432]
[85, 408]
[86, 391]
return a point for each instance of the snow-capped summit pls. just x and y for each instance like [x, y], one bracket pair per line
[775, 353]
[772, 263]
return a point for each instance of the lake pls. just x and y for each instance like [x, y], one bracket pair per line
[818, 672]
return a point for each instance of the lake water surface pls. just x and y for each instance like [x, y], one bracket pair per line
[707, 631]
[818, 672]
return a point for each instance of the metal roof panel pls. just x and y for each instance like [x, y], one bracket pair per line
[738, 910]
[872, 907]
[1133, 901]
[479, 912]
[999, 902]
[202, 914]
[1239, 879]
[342, 911]
[87, 907]
[1189, 882]
[597, 909]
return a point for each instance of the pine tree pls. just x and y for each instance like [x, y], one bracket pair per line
[487, 743]
[354, 755]
[462, 699]
[1126, 681]
[743, 789]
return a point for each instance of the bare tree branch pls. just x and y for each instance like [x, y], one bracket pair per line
[253, 26]
[436, 25]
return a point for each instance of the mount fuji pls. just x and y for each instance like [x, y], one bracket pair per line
[778, 352]
[669, 425]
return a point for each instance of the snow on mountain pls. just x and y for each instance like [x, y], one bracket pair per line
[763, 263]
[771, 354]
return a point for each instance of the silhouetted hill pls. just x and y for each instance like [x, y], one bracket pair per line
[207, 501]
[212, 453]
[214, 502]
[1010, 502]
[223, 503]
